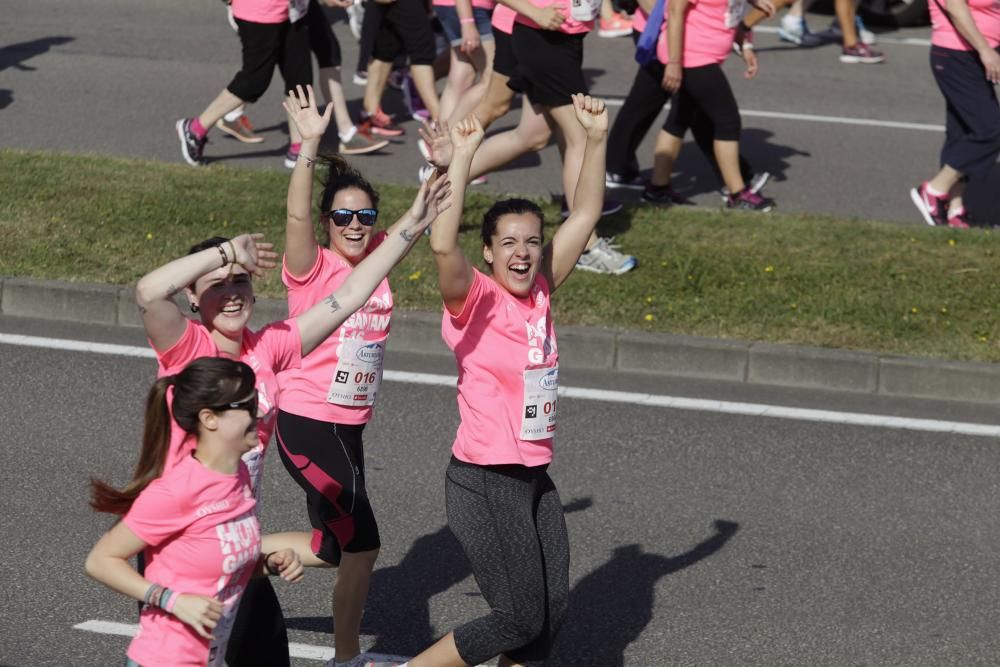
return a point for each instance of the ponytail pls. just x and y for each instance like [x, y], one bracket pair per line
[155, 441]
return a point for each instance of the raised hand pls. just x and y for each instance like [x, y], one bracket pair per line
[286, 563]
[252, 253]
[548, 18]
[467, 135]
[433, 198]
[592, 114]
[199, 611]
[435, 135]
[302, 109]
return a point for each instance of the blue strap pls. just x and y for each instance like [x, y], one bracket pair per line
[645, 48]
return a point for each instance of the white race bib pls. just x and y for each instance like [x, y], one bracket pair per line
[734, 13]
[541, 387]
[584, 10]
[358, 376]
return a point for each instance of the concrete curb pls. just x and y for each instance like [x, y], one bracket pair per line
[592, 348]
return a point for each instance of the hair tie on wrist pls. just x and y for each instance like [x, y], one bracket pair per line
[467, 20]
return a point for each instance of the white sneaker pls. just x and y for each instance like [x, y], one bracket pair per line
[355, 17]
[603, 257]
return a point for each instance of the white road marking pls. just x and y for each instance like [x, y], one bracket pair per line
[604, 395]
[882, 39]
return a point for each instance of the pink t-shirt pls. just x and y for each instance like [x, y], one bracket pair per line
[570, 26]
[306, 391]
[709, 31]
[261, 11]
[500, 341]
[481, 4]
[204, 539]
[985, 13]
[503, 18]
[275, 348]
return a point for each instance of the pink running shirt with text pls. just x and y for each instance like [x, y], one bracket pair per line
[495, 338]
[985, 14]
[275, 348]
[304, 390]
[204, 539]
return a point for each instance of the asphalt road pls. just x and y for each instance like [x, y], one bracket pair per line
[698, 538]
[112, 76]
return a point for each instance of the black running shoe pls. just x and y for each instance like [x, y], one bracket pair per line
[191, 145]
[664, 195]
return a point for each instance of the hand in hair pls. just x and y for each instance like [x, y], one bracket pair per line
[467, 135]
[592, 114]
[254, 254]
[435, 135]
[302, 109]
[199, 611]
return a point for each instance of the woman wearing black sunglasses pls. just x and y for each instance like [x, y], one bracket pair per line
[328, 400]
[216, 277]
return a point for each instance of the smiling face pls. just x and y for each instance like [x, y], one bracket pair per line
[515, 252]
[224, 298]
[350, 242]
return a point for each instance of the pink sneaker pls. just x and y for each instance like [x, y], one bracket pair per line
[933, 208]
[957, 219]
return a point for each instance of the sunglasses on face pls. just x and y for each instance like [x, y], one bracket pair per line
[248, 404]
[342, 216]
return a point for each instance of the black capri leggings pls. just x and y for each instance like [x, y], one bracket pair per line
[322, 41]
[705, 90]
[509, 521]
[266, 45]
[405, 29]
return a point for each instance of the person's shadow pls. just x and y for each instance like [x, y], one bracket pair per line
[16, 54]
[611, 606]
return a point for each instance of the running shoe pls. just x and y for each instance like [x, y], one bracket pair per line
[611, 206]
[757, 183]
[616, 26]
[861, 53]
[479, 180]
[865, 36]
[604, 257]
[664, 195]
[240, 129]
[355, 17]
[379, 123]
[933, 208]
[292, 155]
[191, 145]
[414, 104]
[425, 150]
[626, 182]
[795, 30]
[361, 143]
[425, 172]
[750, 201]
[360, 78]
[958, 219]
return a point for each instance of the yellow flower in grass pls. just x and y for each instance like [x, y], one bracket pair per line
[768, 269]
[914, 310]
[951, 242]
[415, 275]
[649, 299]
[944, 310]
[984, 339]
[149, 236]
[649, 317]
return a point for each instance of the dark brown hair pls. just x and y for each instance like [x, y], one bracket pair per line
[342, 176]
[504, 207]
[207, 382]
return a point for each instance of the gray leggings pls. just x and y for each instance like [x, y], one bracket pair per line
[509, 520]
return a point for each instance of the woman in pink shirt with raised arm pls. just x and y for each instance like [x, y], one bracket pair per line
[326, 401]
[502, 505]
[195, 521]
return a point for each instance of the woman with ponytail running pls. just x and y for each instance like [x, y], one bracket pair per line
[195, 522]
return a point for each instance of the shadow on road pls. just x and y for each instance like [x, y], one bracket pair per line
[611, 606]
[15, 54]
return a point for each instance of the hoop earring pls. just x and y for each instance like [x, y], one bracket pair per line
[194, 307]
[254, 299]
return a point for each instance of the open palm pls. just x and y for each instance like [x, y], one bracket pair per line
[302, 109]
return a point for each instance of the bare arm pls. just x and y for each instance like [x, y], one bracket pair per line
[571, 238]
[154, 294]
[674, 71]
[454, 269]
[547, 18]
[108, 564]
[317, 323]
[961, 18]
[301, 247]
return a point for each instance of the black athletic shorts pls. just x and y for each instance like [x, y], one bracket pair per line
[405, 30]
[328, 462]
[503, 58]
[549, 65]
[322, 42]
[266, 45]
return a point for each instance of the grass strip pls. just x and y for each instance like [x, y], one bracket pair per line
[800, 279]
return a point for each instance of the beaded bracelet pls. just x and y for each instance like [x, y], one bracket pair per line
[222, 251]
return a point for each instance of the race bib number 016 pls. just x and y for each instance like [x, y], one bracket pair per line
[358, 376]
[541, 388]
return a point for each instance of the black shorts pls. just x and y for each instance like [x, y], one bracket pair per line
[328, 462]
[266, 45]
[322, 42]
[503, 59]
[405, 29]
[549, 65]
[705, 91]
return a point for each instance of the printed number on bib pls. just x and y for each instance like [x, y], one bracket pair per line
[541, 388]
[358, 375]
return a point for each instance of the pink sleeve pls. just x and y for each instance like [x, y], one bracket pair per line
[284, 344]
[190, 346]
[158, 513]
[475, 295]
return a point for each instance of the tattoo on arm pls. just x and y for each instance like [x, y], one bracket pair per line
[333, 303]
[406, 234]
